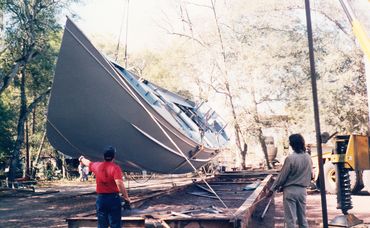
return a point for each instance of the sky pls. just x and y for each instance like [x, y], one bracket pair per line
[106, 17]
[362, 11]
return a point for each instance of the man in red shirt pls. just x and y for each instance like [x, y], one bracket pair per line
[109, 184]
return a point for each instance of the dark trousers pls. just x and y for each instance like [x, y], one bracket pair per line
[108, 210]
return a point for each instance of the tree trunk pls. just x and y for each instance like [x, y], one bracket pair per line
[239, 140]
[27, 174]
[34, 121]
[15, 159]
[38, 155]
[64, 166]
[261, 139]
[244, 154]
[7, 79]
[23, 114]
[238, 134]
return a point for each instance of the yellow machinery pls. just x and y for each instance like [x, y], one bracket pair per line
[351, 152]
[356, 175]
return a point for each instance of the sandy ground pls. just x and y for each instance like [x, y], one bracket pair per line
[275, 215]
[43, 209]
[50, 205]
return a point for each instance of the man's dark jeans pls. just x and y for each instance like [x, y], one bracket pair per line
[108, 210]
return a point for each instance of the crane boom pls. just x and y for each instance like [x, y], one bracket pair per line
[358, 29]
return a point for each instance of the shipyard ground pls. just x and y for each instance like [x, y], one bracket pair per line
[51, 205]
[275, 215]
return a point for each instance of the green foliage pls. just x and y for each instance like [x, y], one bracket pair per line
[262, 60]
[29, 24]
[32, 39]
[7, 131]
[41, 69]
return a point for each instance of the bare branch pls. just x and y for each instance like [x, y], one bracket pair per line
[5, 82]
[171, 32]
[218, 31]
[189, 37]
[38, 100]
[190, 24]
[200, 5]
[217, 90]
[336, 22]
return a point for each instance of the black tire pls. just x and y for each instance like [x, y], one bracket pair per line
[366, 180]
[356, 181]
[330, 179]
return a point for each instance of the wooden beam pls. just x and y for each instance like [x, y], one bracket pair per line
[77, 222]
[244, 212]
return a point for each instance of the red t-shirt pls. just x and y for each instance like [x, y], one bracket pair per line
[105, 174]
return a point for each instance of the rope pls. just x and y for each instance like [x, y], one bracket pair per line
[128, 3]
[65, 138]
[127, 87]
[141, 182]
[120, 32]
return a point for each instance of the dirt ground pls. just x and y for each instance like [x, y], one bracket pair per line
[275, 215]
[50, 205]
[47, 207]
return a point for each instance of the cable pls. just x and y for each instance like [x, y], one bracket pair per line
[120, 31]
[128, 88]
[347, 10]
[128, 3]
[65, 138]
[141, 182]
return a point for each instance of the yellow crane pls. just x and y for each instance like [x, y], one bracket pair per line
[351, 152]
[358, 30]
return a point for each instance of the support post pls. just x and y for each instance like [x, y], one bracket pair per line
[316, 114]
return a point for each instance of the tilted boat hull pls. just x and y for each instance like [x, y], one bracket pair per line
[92, 106]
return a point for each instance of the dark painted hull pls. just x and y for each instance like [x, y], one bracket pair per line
[92, 105]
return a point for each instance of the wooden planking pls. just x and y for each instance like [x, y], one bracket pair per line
[245, 211]
[92, 221]
[230, 218]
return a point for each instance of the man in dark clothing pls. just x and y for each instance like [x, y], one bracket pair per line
[294, 178]
[109, 184]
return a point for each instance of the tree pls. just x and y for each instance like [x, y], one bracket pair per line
[157, 67]
[6, 132]
[31, 34]
[257, 55]
[221, 63]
